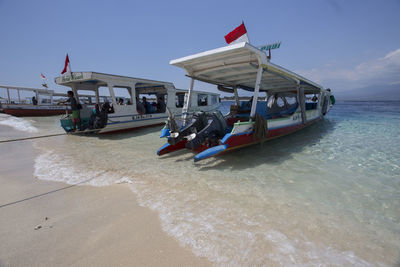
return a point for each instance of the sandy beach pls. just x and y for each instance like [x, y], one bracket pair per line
[54, 224]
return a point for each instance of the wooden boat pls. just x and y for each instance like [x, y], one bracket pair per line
[289, 103]
[41, 104]
[123, 94]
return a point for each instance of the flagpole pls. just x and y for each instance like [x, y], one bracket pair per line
[248, 38]
[69, 62]
[44, 84]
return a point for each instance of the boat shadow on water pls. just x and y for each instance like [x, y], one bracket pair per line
[274, 151]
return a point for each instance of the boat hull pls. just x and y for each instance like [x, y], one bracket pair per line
[33, 111]
[236, 141]
[118, 123]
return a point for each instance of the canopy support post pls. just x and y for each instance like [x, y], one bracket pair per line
[96, 93]
[37, 96]
[236, 95]
[188, 102]
[19, 97]
[256, 90]
[302, 103]
[319, 101]
[171, 93]
[8, 95]
[111, 89]
[132, 93]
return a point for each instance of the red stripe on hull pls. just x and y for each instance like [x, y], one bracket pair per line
[33, 112]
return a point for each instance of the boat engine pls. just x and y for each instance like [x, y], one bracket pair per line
[214, 128]
[197, 123]
[202, 127]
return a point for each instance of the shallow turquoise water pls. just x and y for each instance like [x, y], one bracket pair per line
[327, 195]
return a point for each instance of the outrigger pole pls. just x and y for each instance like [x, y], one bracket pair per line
[48, 135]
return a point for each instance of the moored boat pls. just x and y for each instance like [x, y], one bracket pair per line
[127, 102]
[282, 102]
[39, 103]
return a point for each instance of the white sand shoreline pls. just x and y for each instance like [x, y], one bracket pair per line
[90, 226]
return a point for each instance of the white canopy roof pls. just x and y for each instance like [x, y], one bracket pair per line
[39, 91]
[86, 80]
[236, 65]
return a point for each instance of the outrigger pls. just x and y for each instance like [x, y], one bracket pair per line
[290, 102]
[113, 102]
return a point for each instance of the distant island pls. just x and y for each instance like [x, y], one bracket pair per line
[241, 98]
[373, 92]
[369, 93]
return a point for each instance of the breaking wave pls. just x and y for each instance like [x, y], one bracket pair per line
[18, 123]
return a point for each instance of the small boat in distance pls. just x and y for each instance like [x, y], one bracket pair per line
[30, 102]
[290, 102]
[119, 103]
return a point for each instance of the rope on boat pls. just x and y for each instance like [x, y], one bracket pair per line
[32, 137]
[260, 128]
[48, 135]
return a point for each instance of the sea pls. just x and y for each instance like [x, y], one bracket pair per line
[328, 195]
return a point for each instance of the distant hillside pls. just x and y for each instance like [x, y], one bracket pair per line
[376, 92]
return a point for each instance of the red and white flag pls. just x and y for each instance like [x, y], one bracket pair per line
[237, 35]
[67, 67]
[43, 77]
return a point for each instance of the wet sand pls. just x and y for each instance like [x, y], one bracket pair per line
[76, 225]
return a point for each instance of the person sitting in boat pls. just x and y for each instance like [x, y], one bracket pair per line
[108, 107]
[34, 101]
[204, 102]
[273, 107]
[121, 101]
[161, 105]
[246, 106]
[315, 98]
[332, 97]
[75, 109]
[95, 112]
[147, 105]
[140, 107]
[99, 118]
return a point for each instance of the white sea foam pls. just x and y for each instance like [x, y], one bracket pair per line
[228, 242]
[55, 167]
[214, 227]
[19, 124]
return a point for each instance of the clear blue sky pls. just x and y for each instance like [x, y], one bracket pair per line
[338, 43]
